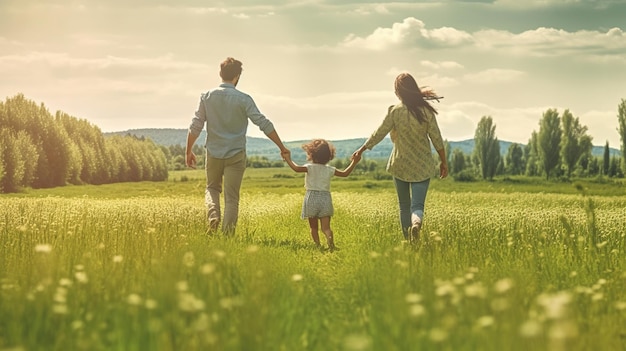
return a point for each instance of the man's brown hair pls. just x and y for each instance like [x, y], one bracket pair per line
[230, 68]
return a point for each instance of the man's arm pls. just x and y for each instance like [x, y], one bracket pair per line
[190, 157]
[273, 136]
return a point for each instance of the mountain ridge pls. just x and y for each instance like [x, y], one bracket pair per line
[264, 147]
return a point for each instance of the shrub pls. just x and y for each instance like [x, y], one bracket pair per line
[465, 176]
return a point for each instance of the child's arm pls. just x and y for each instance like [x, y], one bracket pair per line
[346, 172]
[292, 165]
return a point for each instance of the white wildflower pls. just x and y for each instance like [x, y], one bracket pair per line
[182, 286]
[530, 329]
[413, 298]
[151, 304]
[485, 321]
[207, 268]
[134, 300]
[81, 277]
[417, 310]
[189, 259]
[503, 285]
[357, 342]
[60, 309]
[43, 248]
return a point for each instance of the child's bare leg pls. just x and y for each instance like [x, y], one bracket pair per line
[314, 230]
[325, 222]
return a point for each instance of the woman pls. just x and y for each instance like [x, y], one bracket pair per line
[413, 126]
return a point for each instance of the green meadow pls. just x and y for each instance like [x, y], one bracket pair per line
[513, 264]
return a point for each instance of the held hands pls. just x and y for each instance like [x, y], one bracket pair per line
[356, 156]
[190, 160]
[285, 154]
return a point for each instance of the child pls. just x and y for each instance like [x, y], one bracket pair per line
[318, 203]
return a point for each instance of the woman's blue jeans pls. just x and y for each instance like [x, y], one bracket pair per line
[411, 198]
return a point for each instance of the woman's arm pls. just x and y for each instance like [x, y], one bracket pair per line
[378, 135]
[443, 166]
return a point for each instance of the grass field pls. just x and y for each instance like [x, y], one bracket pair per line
[514, 264]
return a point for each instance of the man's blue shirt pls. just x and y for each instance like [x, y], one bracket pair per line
[225, 112]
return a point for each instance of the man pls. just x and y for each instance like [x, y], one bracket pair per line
[225, 111]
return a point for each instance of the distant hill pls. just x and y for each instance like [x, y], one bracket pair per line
[266, 148]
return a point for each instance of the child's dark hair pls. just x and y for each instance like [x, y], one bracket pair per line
[319, 151]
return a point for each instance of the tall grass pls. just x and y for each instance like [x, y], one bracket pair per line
[493, 271]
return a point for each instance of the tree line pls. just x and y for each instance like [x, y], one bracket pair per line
[561, 148]
[41, 150]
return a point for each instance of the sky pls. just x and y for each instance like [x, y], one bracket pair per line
[321, 68]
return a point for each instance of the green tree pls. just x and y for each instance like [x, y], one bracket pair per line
[574, 141]
[18, 153]
[514, 159]
[2, 170]
[487, 147]
[606, 160]
[531, 154]
[448, 149]
[13, 163]
[549, 139]
[594, 167]
[27, 152]
[457, 161]
[118, 166]
[613, 167]
[621, 117]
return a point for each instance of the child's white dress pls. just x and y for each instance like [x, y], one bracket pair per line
[317, 200]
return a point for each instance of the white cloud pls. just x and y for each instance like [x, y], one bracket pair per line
[494, 75]
[534, 3]
[435, 80]
[540, 4]
[411, 32]
[456, 125]
[380, 9]
[63, 60]
[193, 10]
[596, 121]
[554, 42]
[512, 124]
[447, 65]
[589, 45]
[426, 80]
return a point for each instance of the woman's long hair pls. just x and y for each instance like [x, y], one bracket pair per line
[410, 94]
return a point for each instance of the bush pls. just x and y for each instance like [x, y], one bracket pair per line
[280, 175]
[465, 176]
[370, 185]
[382, 176]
